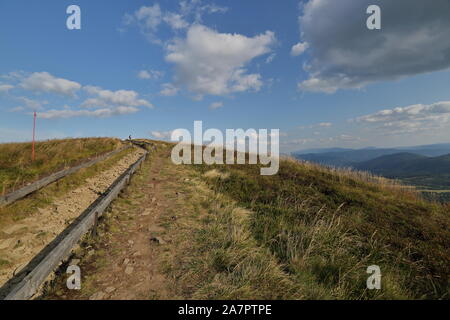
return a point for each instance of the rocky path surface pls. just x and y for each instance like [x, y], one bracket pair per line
[124, 261]
[21, 241]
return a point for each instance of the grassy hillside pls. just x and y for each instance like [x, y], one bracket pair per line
[226, 232]
[325, 227]
[344, 158]
[17, 169]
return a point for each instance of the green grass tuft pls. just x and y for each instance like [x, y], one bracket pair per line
[325, 227]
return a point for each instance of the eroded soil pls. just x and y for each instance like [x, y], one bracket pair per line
[21, 241]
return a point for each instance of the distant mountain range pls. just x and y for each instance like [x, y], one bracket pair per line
[339, 157]
[427, 167]
[406, 165]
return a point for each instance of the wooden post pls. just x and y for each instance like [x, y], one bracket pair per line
[33, 156]
[94, 228]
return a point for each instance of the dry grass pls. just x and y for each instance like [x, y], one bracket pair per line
[326, 226]
[343, 175]
[307, 233]
[17, 169]
[45, 196]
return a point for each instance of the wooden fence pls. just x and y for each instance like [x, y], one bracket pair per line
[26, 284]
[23, 192]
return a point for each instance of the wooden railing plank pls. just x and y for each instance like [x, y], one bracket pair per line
[23, 192]
[25, 286]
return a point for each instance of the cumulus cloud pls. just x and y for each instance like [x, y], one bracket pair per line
[105, 98]
[161, 134]
[100, 102]
[45, 82]
[299, 48]
[169, 90]
[150, 18]
[144, 74]
[216, 105]
[175, 21]
[318, 125]
[196, 9]
[209, 62]
[271, 58]
[326, 141]
[14, 75]
[410, 119]
[150, 74]
[345, 54]
[99, 113]
[5, 87]
[30, 104]
[17, 109]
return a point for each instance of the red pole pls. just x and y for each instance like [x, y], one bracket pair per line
[34, 134]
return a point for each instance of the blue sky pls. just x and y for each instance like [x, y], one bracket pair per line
[148, 67]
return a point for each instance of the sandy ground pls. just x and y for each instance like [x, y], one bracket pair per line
[124, 263]
[21, 241]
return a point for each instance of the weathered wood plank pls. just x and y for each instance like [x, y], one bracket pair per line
[28, 284]
[21, 193]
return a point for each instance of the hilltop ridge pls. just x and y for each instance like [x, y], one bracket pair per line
[226, 232]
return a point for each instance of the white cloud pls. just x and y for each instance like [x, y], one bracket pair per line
[161, 134]
[99, 113]
[197, 9]
[151, 16]
[45, 82]
[5, 87]
[271, 58]
[209, 62]
[216, 105]
[175, 21]
[144, 74]
[299, 141]
[13, 75]
[148, 19]
[346, 55]
[32, 104]
[150, 74]
[169, 90]
[17, 109]
[410, 119]
[327, 141]
[317, 125]
[299, 48]
[102, 103]
[105, 98]
[413, 112]
[316, 84]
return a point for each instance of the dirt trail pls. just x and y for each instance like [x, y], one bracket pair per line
[21, 241]
[124, 262]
